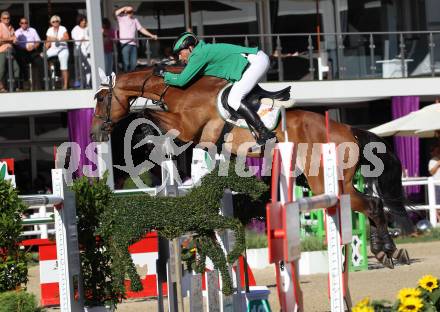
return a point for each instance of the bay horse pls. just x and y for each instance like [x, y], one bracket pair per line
[192, 111]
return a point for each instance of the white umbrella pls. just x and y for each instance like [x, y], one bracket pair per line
[429, 131]
[408, 125]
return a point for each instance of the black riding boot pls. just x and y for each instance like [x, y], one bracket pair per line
[255, 122]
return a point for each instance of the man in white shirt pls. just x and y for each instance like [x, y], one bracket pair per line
[28, 42]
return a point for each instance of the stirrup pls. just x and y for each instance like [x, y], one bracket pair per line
[259, 145]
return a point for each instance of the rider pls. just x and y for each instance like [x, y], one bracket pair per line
[242, 65]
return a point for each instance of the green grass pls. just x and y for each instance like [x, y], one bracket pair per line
[432, 235]
[259, 240]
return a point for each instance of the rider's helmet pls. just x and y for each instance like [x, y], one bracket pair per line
[185, 40]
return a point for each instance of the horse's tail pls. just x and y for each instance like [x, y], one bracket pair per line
[388, 185]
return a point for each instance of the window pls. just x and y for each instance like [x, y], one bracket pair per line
[30, 141]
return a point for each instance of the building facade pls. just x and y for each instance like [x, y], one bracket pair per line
[350, 56]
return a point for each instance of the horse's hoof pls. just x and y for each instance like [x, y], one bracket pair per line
[402, 256]
[383, 258]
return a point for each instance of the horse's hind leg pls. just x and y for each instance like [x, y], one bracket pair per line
[381, 243]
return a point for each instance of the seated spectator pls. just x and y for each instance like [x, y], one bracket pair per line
[7, 38]
[56, 45]
[28, 43]
[109, 35]
[80, 33]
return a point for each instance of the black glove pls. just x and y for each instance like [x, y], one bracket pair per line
[159, 71]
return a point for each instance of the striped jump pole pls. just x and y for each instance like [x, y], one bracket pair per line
[283, 227]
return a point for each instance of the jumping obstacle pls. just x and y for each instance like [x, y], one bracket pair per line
[313, 225]
[62, 262]
[283, 228]
[67, 265]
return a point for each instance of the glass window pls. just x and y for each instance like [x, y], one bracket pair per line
[14, 128]
[53, 126]
[44, 155]
[224, 18]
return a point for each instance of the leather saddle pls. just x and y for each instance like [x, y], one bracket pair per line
[253, 99]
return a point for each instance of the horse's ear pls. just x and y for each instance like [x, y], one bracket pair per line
[113, 79]
[102, 75]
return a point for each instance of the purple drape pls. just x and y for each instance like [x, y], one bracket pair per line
[79, 124]
[407, 148]
[257, 163]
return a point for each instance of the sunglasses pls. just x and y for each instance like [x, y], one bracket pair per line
[23, 23]
[6, 18]
[55, 22]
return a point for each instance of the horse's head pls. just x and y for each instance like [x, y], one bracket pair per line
[114, 96]
[105, 113]
[236, 178]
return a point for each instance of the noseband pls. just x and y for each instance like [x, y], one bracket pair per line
[107, 121]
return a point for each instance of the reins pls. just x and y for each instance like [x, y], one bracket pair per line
[107, 121]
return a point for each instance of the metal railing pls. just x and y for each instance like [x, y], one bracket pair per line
[432, 206]
[41, 222]
[299, 56]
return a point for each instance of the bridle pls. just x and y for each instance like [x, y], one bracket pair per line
[107, 121]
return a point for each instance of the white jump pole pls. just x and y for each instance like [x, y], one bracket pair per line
[69, 267]
[284, 228]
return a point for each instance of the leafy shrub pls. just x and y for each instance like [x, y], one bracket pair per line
[18, 301]
[13, 262]
[92, 197]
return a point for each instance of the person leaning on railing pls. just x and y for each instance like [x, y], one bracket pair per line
[27, 52]
[7, 38]
[56, 45]
[128, 28]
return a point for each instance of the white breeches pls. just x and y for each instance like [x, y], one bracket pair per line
[258, 66]
[63, 56]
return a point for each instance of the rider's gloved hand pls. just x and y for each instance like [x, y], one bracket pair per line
[159, 71]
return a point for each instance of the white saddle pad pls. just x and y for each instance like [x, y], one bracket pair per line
[269, 112]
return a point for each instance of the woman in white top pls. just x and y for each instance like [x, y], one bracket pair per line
[56, 45]
[434, 170]
[80, 33]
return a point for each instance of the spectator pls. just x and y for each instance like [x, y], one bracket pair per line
[128, 27]
[56, 45]
[27, 45]
[80, 33]
[7, 38]
[109, 35]
[434, 171]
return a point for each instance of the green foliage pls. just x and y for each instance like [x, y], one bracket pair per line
[259, 240]
[145, 178]
[92, 198]
[18, 301]
[423, 298]
[13, 262]
[312, 243]
[429, 236]
[128, 219]
[255, 239]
